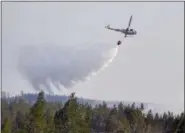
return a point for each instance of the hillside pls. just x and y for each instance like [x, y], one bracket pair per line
[69, 116]
[31, 98]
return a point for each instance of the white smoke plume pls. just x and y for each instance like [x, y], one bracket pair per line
[55, 66]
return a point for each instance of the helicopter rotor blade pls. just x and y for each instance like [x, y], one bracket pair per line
[130, 22]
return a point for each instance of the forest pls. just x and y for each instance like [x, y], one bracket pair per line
[20, 116]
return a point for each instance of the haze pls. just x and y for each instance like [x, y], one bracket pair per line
[149, 67]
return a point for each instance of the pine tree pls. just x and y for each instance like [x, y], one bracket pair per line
[156, 118]
[125, 125]
[111, 122]
[5, 111]
[49, 122]
[6, 127]
[37, 115]
[178, 124]
[142, 107]
[20, 123]
[71, 118]
[133, 106]
[149, 117]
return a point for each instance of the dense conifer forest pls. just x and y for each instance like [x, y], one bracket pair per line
[71, 116]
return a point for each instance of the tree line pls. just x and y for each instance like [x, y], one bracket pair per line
[19, 116]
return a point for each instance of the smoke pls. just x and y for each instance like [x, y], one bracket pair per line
[55, 67]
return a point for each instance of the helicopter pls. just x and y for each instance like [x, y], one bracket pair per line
[127, 31]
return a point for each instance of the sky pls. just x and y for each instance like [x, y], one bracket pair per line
[149, 67]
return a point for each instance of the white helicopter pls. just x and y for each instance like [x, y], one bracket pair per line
[126, 31]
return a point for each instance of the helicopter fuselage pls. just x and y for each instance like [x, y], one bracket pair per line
[128, 32]
[124, 31]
